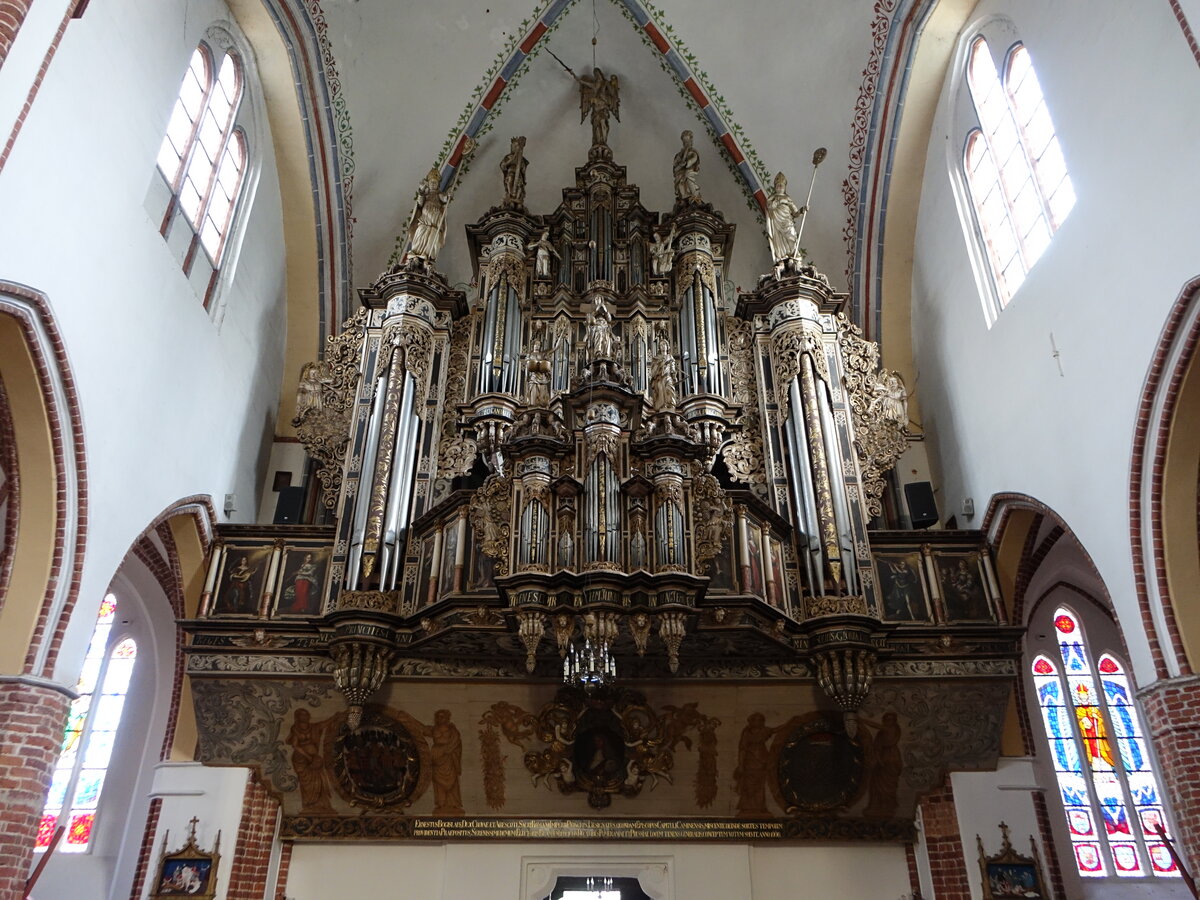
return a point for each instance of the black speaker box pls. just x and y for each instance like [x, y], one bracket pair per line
[922, 509]
[289, 506]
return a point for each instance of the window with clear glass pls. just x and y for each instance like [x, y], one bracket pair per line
[1110, 794]
[203, 158]
[88, 739]
[1016, 175]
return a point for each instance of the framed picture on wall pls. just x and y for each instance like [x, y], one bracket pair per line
[188, 871]
[302, 583]
[1008, 875]
[241, 580]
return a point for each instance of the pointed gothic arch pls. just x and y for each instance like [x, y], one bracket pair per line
[48, 503]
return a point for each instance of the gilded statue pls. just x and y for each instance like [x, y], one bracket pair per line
[601, 342]
[782, 213]
[661, 253]
[598, 97]
[537, 370]
[890, 398]
[545, 250]
[664, 374]
[512, 168]
[685, 169]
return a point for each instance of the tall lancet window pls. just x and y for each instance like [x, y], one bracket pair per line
[203, 158]
[1016, 173]
[88, 738]
[1109, 792]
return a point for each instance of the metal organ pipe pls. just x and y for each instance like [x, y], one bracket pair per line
[400, 489]
[803, 491]
[841, 508]
[363, 500]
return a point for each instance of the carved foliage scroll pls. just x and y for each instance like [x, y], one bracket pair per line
[712, 519]
[744, 452]
[458, 450]
[877, 408]
[324, 400]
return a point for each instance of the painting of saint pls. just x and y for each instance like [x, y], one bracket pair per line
[449, 551]
[900, 587]
[303, 581]
[721, 571]
[962, 588]
[241, 584]
[754, 574]
[778, 583]
[481, 571]
[425, 591]
[184, 877]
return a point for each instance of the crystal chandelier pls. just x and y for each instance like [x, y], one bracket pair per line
[590, 666]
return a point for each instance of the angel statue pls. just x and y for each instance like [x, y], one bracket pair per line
[782, 213]
[598, 96]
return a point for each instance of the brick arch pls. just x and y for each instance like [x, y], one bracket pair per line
[1163, 474]
[50, 502]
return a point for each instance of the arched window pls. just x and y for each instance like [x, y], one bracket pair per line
[1016, 175]
[88, 738]
[1109, 792]
[203, 160]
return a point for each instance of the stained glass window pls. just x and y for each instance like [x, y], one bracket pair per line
[1016, 174]
[89, 735]
[1108, 789]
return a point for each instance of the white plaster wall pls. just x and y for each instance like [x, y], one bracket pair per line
[173, 402]
[694, 871]
[997, 413]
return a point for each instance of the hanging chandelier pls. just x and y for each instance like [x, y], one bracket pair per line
[591, 665]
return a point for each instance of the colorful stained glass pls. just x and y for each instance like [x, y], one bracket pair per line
[46, 831]
[80, 829]
[1143, 788]
[1080, 731]
[1088, 859]
[1126, 859]
[90, 733]
[1160, 859]
[1080, 823]
[1152, 821]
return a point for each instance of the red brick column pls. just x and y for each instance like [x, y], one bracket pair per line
[32, 715]
[12, 14]
[1173, 719]
[944, 845]
[285, 866]
[256, 834]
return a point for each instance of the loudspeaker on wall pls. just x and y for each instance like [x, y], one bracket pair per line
[922, 509]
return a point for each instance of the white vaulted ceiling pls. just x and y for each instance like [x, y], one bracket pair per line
[789, 73]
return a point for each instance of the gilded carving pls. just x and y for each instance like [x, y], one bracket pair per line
[878, 409]
[743, 453]
[458, 451]
[712, 519]
[787, 350]
[491, 510]
[324, 401]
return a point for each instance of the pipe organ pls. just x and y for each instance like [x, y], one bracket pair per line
[601, 431]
